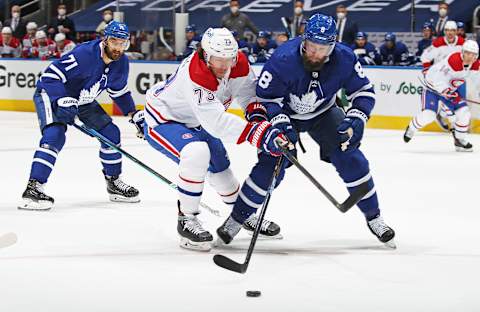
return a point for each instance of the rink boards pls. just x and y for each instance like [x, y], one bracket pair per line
[398, 89]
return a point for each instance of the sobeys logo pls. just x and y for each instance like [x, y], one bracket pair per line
[409, 88]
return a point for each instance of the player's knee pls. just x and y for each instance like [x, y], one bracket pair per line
[53, 137]
[463, 114]
[195, 155]
[111, 132]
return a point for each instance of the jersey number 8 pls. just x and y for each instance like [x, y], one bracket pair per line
[265, 79]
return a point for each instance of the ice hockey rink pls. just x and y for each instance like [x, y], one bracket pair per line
[89, 254]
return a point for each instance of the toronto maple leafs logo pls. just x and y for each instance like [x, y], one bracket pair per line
[307, 104]
[88, 96]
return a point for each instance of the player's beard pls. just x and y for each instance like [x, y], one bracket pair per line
[313, 66]
[113, 55]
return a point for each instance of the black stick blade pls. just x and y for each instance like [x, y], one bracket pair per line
[229, 264]
[355, 197]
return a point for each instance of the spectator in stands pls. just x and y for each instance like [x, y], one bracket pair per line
[62, 24]
[9, 45]
[263, 48]
[297, 22]
[193, 41]
[43, 47]
[394, 52]
[27, 41]
[281, 38]
[242, 44]
[17, 24]
[426, 41]
[366, 52]
[461, 30]
[237, 21]
[346, 28]
[442, 19]
[63, 45]
[107, 18]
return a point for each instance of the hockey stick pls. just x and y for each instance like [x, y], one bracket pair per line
[430, 88]
[232, 265]
[93, 133]
[7, 239]
[352, 200]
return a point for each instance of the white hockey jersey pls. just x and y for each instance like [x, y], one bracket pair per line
[449, 73]
[195, 97]
[440, 49]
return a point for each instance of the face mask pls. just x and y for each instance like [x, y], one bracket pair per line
[234, 9]
[107, 17]
[341, 15]
[15, 15]
[298, 10]
[442, 12]
[62, 12]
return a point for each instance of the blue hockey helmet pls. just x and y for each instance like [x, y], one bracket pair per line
[234, 33]
[191, 28]
[321, 29]
[361, 35]
[427, 25]
[117, 30]
[460, 25]
[264, 34]
[390, 36]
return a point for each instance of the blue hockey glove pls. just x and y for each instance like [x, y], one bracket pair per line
[265, 137]
[138, 120]
[351, 129]
[255, 112]
[282, 122]
[67, 110]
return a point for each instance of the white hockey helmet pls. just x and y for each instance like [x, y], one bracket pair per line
[31, 26]
[470, 46]
[219, 42]
[40, 34]
[450, 25]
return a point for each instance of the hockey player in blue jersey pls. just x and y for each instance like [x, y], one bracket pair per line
[394, 52]
[366, 52]
[263, 49]
[193, 41]
[67, 89]
[299, 85]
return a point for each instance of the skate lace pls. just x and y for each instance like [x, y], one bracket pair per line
[252, 221]
[121, 185]
[194, 226]
[378, 226]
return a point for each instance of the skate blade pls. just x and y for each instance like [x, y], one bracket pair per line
[391, 244]
[463, 150]
[122, 199]
[266, 237]
[197, 246]
[8, 239]
[31, 205]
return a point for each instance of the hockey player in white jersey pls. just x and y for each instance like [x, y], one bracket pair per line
[185, 119]
[443, 81]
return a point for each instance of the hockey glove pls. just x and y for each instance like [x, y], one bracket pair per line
[264, 137]
[282, 122]
[351, 129]
[67, 110]
[138, 120]
[255, 112]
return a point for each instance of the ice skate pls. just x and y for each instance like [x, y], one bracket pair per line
[192, 234]
[119, 191]
[462, 145]
[268, 229]
[382, 231]
[408, 135]
[33, 198]
[227, 231]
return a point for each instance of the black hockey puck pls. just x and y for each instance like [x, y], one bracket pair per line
[253, 293]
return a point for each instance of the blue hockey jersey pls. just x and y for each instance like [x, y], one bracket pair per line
[398, 55]
[191, 46]
[368, 55]
[285, 85]
[82, 75]
[262, 54]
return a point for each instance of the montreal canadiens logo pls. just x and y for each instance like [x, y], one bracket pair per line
[187, 136]
[457, 82]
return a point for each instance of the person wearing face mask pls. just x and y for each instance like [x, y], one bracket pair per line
[62, 24]
[442, 18]
[297, 22]
[237, 21]
[16, 23]
[107, 18]
[346, 28]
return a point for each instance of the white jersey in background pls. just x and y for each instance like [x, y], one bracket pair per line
[440, 49]
[195, 97]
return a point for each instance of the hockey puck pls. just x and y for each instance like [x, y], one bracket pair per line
[253, 293]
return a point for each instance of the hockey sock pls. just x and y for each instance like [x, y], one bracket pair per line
[110, 158]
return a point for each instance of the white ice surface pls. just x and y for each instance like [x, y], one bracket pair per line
[88, 254]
